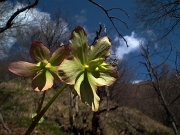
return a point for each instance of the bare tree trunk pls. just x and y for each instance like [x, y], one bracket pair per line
[107, 97]
[71, 114]
[76, 105]
[156, 85]
[169, 113]
[73, 111]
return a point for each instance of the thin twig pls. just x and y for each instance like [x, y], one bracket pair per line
[111, 18]
[98, 33]
[4, 125]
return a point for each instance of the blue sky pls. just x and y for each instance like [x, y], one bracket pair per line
[89, 16]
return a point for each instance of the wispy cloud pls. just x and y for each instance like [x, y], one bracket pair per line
[81, 18]
[26, 17]
[136, 81]
[32, 17]
[133, 42]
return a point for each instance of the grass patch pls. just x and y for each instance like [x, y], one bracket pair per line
[19, 125]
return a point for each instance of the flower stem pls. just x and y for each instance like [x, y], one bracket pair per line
[41, 113]
[41, 103]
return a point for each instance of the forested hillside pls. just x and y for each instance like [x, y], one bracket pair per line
[19, 102]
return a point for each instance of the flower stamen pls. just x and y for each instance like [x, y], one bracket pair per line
[86, 66]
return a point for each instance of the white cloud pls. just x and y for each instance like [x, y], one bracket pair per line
[133, 42]
[81, 18]
[28, 16]
[156, 46]
[32, 17]
[136, 81]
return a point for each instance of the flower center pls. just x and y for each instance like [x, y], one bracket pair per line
[48, 66]
[44, 64]
[86, 66]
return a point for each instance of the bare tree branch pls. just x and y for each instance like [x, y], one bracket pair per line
[162, 16]
[4, 125]
[10, 21]
[112, 17]
[98, 33]
[2, 0]
[155, 82]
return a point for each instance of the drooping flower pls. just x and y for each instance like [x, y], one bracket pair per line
[86, 67]
[45, 66]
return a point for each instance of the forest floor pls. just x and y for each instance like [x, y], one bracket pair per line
[18, 102]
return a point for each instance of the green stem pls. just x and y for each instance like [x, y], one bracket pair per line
[35, 122]
[41, 103]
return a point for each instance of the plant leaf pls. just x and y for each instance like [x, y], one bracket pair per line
[34, 116]
[103, 79]
[78, 84]
[59, 55]
[88, 94]
[86, 89]
[95, 63]
[54, 72]
[69, 70]
[79, 44]
[73, 91]
[39, 52]
[42, 81]
[23, 68]
[101, 48]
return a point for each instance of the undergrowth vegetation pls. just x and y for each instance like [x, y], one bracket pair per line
[18, 103]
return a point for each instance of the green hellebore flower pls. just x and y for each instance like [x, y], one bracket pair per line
[86, 68]
[46, 65]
